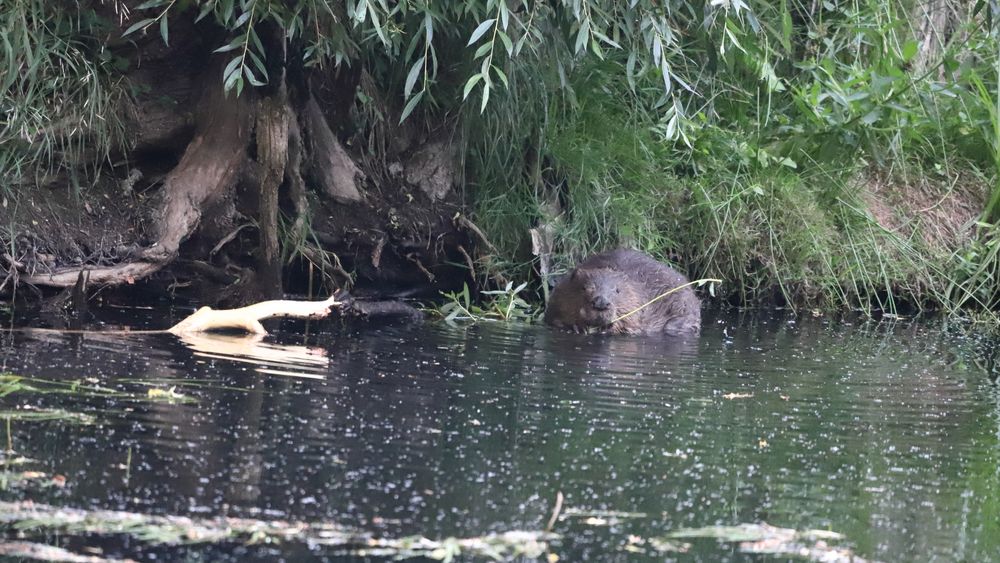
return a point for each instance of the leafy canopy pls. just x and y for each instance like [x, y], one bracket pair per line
[416, 34]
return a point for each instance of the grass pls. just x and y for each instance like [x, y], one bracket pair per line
[61, 108]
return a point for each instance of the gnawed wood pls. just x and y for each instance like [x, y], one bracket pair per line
[248, 318]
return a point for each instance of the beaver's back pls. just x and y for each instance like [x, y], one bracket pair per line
[637, 279]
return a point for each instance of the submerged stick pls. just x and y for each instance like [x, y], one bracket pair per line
[248, 318]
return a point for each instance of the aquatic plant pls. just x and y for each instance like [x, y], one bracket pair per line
[17, 384]
[41, 552]
[31, 518]
[500, 304]
[32, 414]
[811, 545]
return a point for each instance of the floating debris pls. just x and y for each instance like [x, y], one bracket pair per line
[581, 513]
[638, 544]
[600, 518]
[11, 384]
[10, 479]
[766, 539]
[667, 546]
[12, 461]
[732, 396]
[42, 552]
[35, 414]
[29, 517]
[500, 547]
[170, 395]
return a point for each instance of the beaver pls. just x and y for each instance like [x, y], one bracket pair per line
[608, 285]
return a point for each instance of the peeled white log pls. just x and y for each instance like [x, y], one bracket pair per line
[248, 318]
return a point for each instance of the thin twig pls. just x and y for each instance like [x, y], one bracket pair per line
[661, 296]
[555, 511]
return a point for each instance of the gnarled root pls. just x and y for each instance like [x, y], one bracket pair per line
[208, 169]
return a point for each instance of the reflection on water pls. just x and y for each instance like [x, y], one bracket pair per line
[276, 359]
[886, 434]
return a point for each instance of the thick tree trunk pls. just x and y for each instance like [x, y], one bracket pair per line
[272, 153]
[209, 168]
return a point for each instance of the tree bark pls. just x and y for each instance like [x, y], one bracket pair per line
[333, 168]
[272, 154]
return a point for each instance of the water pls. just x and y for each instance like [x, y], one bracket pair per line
[885, 433]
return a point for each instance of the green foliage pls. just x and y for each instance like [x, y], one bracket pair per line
[408, 35]
[730, 137]
[501, 304]
[60, 104]
[756, 173]
[977, 277]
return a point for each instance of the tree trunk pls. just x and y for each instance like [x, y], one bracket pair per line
[272, 154]
[934, 23]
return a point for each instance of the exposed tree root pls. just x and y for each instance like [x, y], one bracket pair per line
[296, 184]
[332, 167]
[255, 156]
[207, 170]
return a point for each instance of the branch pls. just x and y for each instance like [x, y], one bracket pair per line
[248, 318]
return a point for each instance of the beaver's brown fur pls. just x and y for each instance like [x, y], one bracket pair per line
[608, 285]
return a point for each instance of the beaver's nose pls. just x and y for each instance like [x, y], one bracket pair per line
[601, 303]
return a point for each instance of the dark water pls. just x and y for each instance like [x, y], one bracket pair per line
[886, 433]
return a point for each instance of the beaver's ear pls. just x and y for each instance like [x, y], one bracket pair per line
[575, 274]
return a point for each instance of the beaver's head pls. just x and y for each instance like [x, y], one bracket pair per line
[605, 295]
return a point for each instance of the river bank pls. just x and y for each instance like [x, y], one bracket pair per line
[234, 153]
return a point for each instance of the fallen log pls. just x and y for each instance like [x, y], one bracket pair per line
[248, 318]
